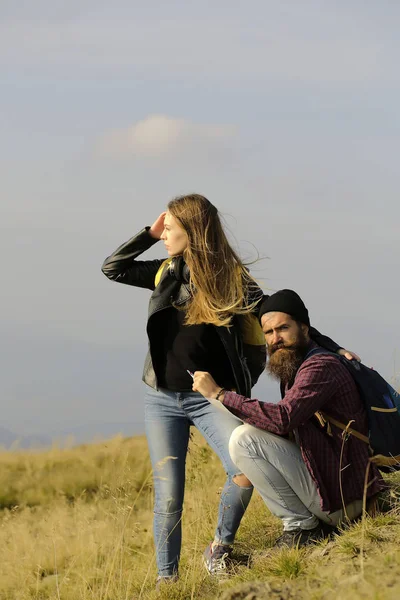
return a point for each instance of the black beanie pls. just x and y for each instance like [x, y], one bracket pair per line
[286, 301]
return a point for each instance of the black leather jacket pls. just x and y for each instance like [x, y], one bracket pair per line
[247, 360]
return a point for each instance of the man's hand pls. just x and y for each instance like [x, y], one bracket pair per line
[349, 355]
[205, 384]
[158, 227]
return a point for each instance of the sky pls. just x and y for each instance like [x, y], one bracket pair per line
[284, 114]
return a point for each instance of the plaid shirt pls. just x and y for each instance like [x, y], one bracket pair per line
[321, 383]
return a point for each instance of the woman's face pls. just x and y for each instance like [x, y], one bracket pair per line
[175, 238]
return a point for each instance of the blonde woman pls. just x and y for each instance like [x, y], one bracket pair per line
[202, 317]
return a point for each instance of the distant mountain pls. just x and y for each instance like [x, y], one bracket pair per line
[86, 433]
[74, 434]
[8, 439]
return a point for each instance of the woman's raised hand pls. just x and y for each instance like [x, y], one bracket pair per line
[158, 227]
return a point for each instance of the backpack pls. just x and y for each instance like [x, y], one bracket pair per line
[382, 403]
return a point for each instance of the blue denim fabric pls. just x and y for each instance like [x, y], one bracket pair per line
[168, 416]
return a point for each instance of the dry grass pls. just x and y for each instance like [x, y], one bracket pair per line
[76, 525]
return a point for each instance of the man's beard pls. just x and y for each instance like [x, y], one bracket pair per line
[284, 361]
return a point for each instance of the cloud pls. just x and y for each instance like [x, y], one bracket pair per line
[160, 135]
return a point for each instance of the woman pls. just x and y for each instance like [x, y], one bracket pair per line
[202, 317]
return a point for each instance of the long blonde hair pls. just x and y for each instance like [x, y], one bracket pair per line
[219, 281]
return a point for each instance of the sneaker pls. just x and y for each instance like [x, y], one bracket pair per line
[300, 537]
[216, 559]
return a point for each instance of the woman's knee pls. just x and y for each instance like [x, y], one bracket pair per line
[242, 481]
[168, 493]
[167, 505]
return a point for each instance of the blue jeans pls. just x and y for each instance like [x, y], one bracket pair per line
[168, 416]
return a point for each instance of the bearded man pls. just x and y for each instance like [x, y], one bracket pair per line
[307, 473]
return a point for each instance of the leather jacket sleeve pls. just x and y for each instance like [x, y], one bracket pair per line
[123, 267]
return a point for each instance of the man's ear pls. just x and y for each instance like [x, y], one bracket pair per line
[305, 329]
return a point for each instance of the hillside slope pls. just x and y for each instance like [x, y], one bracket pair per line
[75, 524]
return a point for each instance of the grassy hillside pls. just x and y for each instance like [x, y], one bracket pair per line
[76, 524]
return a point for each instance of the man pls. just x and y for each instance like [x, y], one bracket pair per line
[306, 471]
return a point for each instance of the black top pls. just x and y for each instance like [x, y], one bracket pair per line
[189, 347]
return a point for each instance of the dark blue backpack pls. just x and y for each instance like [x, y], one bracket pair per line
[382, 404]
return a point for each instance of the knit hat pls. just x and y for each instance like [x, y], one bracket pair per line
[286, 301]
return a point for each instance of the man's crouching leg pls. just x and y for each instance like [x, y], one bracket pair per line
[277, 470]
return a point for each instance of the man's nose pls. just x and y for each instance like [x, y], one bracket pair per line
[276, 337]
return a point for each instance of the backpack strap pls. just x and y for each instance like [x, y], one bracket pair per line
[323, 417]
[377, 459]
[342, 426]
[320, 350]
[385, 461]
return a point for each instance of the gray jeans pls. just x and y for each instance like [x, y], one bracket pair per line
[277, 470]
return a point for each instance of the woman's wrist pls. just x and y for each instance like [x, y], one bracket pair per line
[153, 234]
